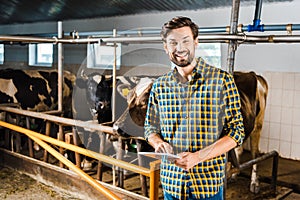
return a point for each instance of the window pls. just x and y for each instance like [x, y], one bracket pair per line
[102, 57]
[1, 53]
[210, 52]
[41, 55]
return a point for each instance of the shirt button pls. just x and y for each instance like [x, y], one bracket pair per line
[186, 117]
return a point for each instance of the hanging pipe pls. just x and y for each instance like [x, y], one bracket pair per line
[220, 29]
[233, 30]
[256, 26]
[156, 39]
[60, 67]
[114, 73]
[274, 27]
[231, 53]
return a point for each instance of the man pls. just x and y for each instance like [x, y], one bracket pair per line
[193, 111]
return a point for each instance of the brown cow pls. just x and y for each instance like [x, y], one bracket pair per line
[253, 91]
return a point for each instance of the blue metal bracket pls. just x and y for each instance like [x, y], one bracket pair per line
[256, 26]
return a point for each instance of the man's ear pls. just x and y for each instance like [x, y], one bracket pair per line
[165, 48]
[196, 41]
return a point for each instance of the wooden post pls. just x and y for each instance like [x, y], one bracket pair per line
[102, 137]
[120, 171]
[30, 143]
[61, 138]
[154, 179]
[6, 132]
[48, 130]
[143, 178]
[17, 137]
[76, 142]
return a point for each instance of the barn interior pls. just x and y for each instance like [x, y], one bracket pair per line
[75, 31]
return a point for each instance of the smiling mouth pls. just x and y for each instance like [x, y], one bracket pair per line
[181, 57]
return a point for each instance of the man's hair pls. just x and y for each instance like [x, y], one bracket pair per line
[178, 22]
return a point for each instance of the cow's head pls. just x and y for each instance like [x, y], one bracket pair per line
[131, 122]
[98, 93]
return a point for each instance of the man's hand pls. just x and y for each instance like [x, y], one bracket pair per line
[163, 147]
[187, 160]
[159, 145]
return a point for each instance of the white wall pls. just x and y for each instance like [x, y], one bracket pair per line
[282, 119]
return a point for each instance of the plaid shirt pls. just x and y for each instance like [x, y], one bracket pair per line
[191, 116]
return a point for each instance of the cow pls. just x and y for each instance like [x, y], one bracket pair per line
[131, 122]
[98, 91]
[253, 90]
[36, 90]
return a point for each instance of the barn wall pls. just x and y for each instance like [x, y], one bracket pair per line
[277, 62]
[282, 118]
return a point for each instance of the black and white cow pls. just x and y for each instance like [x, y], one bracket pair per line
[253, 91]
[98, 91]
[36, 90]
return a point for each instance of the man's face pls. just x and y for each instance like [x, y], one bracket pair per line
[180, 46]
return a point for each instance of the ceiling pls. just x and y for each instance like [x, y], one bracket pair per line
[22, 11]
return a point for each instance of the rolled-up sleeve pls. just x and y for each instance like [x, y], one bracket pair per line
[152, 116]
[233, 116]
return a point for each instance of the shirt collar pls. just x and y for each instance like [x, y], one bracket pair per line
[198, 71]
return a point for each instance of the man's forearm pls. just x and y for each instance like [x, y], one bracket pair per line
[220, 147]
[154, 140]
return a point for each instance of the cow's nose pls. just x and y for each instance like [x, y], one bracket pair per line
[100, 105]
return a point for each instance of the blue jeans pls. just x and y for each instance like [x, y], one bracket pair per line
[218, 196]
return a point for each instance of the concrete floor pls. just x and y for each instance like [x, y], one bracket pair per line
[288, 181]
[288, 174]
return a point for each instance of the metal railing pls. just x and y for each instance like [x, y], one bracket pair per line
[152, 173]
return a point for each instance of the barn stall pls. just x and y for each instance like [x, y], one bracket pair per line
[236, 39]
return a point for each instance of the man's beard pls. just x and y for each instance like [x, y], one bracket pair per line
[182, 62]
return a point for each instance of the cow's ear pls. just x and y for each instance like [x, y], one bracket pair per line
[98, 78]
[123, 90]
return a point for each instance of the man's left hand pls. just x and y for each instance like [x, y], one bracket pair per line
[187, 160]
